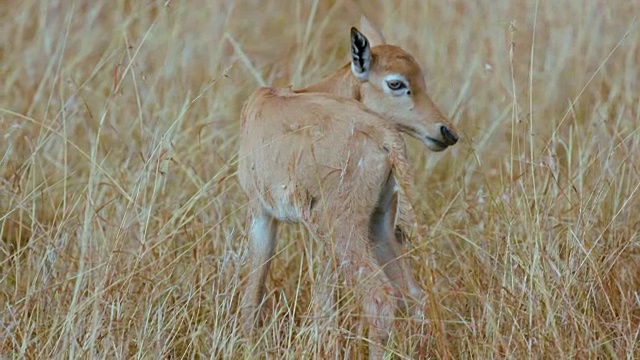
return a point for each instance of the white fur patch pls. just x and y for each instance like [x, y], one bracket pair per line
[260, 233]
[362, 76]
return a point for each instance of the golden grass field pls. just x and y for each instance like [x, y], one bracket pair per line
[123, 225]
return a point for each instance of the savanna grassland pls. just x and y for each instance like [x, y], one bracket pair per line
[123, 226]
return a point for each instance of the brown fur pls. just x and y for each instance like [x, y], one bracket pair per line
[329, 156]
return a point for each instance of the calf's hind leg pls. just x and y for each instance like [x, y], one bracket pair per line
[262, 245]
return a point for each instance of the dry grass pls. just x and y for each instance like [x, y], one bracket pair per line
[123, 225]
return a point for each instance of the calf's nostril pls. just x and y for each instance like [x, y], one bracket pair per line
[448, 136]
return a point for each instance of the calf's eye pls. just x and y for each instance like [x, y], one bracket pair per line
[396, 84]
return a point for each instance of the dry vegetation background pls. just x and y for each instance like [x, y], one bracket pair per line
[123, 224]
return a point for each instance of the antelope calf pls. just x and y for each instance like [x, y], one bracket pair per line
[330, 156]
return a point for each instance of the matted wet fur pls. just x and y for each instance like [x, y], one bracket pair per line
[330, 156]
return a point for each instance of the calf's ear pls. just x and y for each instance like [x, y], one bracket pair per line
[371, 32]
[360, 55]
